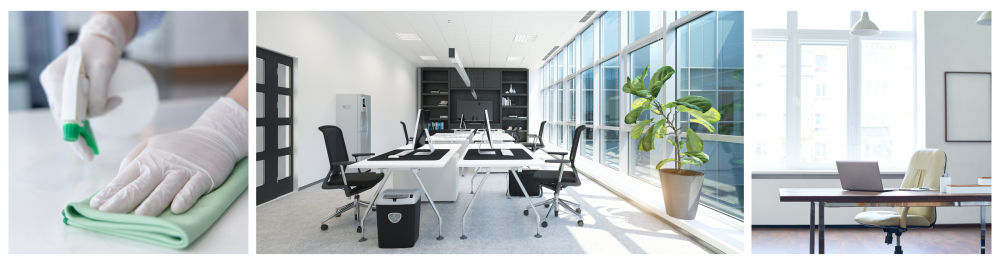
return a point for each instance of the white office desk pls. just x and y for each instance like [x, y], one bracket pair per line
[502, 137]
[505, 164]
[45, 175]
[414, 166]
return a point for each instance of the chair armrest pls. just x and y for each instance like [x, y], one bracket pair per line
[558, 153]
[363, 154]
[560, 161]
[343, 163]
[532, 135]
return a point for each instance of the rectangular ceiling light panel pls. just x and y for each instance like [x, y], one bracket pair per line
[525, 38]
[515, 58]
[429, 58]
[408, 36]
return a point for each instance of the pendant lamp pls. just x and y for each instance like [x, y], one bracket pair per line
[865, 27]
[985, 19]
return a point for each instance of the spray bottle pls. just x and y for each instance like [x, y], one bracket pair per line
[75, 91]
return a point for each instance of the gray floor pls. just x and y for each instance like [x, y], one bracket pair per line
[495, 225]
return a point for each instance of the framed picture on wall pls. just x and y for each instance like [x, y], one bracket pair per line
[967, 106]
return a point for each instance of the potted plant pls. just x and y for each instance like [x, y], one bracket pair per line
[681, 187]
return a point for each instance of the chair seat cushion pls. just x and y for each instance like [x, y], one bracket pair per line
[889, 218]
[551, 176]
[356, 179]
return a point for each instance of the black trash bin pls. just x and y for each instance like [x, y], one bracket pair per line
[398, 218]
[527, 178]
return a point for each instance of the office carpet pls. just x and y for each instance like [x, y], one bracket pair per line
[291, 224]
[863, 240]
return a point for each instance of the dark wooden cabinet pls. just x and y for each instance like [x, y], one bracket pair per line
[490, 84]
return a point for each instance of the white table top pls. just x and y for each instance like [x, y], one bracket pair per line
[410, 164]
[457, 138]
[45, 175]
[495, 136]
[535, 162]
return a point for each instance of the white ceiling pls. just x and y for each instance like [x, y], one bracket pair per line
[482, 38]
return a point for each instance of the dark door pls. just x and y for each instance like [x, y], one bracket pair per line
[274, 124]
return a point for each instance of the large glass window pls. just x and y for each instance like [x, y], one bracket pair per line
[643, 164]
[820, 98]
[825, 19]
[570, 58]
[587, 47]
[641, 23]
[571, 100]
[610, 92]
[887, 92]
[769, 86]
[609, 148]
[609, 33]
[587, 82]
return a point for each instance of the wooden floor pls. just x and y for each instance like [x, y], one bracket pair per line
[939, 240]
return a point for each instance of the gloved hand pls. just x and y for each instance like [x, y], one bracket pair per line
[101, 40]
[179, 167]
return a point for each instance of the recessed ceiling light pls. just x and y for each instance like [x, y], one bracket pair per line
[515, 58]
[408, 36]
[525, 38]
[429, 58]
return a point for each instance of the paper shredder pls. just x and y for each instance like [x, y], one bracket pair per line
[398, 218]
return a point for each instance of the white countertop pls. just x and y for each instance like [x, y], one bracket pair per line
[410, 164]
[534, 162]
[45, 175]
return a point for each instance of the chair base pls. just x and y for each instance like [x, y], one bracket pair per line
[357, 204]
[556, 203]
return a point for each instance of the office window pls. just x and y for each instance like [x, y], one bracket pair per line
[760, 61]
[609, 33]
[570, 58]
[587, 47]
[643, 22]
[777, 19]
[560, 65]
[641, 164]
[651, 56]
[559, 99]
[571, 100]
[610, 92]
[587, 106]
[761, 149]
[609, 148]
[883, 100]
[772, 89]
[587, 144]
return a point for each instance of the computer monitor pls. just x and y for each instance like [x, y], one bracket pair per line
[461, 121]
[488, 137]
[420, 132]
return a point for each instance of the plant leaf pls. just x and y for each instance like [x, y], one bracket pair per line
[662, 132]
[660, 164]
[700, 156]
[687, 107]
[706, 119]
[627, 88]
[637, 130]
[639, 103]
[702, 102]
[689, 161]
[646, 143]
[661, 76]
[637, 83]
[641, 93]
[673, 143]
[632, 116]
[694, 142]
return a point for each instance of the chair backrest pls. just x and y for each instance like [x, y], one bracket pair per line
[541, 130]
[406, 136]
[576, 143]
[336, 150]
[925, 171]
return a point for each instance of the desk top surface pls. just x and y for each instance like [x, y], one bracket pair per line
[45, 175]
[840, 195]
[408, 164]
[535, 162]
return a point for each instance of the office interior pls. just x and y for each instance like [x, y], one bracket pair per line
[563, 68]
[837, 96]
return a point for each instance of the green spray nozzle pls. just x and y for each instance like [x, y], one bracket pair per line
[73, 131]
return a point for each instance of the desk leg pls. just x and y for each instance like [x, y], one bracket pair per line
[472, 182]
[822, 227]
[538, 219]
[982, 229]
[429, 200]
[377, 191]
[474, 200]
[812, 227]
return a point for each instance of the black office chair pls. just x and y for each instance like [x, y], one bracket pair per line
[406, 135]
[536, 143]
[556, 180]
[353, 184]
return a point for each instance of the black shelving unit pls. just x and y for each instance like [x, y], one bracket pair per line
[491, 84]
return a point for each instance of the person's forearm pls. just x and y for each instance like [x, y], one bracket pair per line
[241, 92]
[128, 19]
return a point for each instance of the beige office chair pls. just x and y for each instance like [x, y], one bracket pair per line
[925, 171]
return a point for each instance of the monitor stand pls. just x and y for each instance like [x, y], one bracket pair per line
[487, 152]
[422, 153]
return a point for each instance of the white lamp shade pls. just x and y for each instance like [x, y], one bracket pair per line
[865, 27]
[986, 19]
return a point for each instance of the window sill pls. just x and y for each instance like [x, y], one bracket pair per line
[710, 228]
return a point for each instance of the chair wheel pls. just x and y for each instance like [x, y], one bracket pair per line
[545, 224]
[359, 229]
[373, 209]
[323, 227]
[579, 223]
[578, 210]
[337, 215]
[525, 212]
[557, 213]
[546, 205]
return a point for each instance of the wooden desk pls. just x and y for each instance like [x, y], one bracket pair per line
[832, 197]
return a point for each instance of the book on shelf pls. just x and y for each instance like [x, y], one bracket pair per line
[985, 180]
[967, 189]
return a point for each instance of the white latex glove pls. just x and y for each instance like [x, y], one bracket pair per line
[179, 167]
[101, 40]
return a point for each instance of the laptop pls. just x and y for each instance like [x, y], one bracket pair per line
[860, 176]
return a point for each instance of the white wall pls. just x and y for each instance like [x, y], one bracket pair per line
[534, 100]
[953, 42]
[336, 56]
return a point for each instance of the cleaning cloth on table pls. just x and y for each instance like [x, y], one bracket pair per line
[168, 229]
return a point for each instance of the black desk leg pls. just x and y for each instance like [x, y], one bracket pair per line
[982, 229]
[822, 227]
[812, 227]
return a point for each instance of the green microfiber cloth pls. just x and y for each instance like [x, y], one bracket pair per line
[168, 229]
